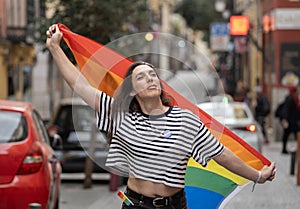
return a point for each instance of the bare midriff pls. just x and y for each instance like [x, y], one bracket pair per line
[151, 189]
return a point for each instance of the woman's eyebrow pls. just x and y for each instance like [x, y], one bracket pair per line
[144, 72]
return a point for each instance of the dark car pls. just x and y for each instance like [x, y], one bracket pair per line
[73, 122]
[30, 172]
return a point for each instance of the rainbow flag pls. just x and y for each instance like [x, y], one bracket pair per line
[124, 198]
[207, 187]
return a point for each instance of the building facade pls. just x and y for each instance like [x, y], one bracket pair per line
[251, 57]
[17, 51]
[281, 42]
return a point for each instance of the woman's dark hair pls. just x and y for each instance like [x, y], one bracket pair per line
[124, 102]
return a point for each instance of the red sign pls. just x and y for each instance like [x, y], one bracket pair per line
[239, 25]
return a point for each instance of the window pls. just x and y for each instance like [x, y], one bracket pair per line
[13, 127]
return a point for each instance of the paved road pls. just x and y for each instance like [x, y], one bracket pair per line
[282, 193]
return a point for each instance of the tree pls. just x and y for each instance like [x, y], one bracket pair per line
[101, 21]
[198, 14]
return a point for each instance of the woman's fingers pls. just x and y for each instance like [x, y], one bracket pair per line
[48, 34]
[51, 30]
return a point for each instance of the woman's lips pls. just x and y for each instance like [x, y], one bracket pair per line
[152, 87]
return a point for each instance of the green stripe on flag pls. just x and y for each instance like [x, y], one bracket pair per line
[208, 180]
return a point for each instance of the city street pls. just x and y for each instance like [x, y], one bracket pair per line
[237, 60]
[282, 193]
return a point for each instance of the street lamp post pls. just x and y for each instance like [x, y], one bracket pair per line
[228, 57]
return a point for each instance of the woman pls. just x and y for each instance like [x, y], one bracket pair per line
[151, 141]
[290, 118]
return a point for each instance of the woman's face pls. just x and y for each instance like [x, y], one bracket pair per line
[145, 82]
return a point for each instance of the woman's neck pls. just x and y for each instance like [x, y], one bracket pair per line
[153, 107]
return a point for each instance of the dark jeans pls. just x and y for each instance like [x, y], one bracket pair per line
[285, 137]
[262, 123]
[177, 201]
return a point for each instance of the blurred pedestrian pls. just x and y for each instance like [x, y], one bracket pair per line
[262, 110]
[241, 91]
[150, 140]
[290, 116]
[248, 97]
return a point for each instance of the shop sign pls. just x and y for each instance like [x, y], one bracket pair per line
[239, 25]
[286, 18]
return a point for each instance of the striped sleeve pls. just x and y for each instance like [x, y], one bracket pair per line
[104, 114]
[205, 146]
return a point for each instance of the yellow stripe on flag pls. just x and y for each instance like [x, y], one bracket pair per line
[214, 167]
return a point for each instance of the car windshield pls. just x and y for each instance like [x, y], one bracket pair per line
[226, 111]
[76, 117]
[13, 127]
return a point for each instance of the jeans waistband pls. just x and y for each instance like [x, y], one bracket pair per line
[156, 201]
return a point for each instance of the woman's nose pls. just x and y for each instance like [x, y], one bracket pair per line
[149, 78]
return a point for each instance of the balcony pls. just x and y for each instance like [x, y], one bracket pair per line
[16, 34]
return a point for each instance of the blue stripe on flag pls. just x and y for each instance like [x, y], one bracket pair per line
[198, 198]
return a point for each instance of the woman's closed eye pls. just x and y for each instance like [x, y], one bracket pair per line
[139, 77]
[153, 74]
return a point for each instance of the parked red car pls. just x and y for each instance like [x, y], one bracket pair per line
[30, 172]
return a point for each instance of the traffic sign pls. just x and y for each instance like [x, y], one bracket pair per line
[219, 36]
[219, 29]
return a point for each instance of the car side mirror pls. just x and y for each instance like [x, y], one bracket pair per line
[56, 142]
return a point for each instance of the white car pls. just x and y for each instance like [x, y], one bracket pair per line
[238, 117]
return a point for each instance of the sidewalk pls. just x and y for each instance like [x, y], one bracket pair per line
[282, 193]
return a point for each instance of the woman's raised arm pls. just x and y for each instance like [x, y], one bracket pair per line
[71, 74]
